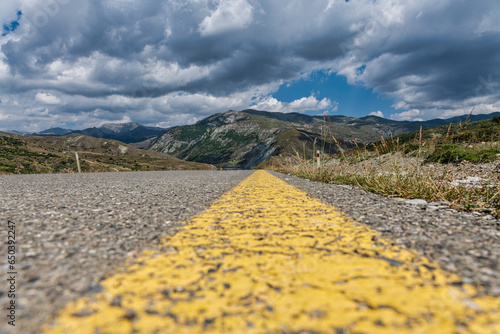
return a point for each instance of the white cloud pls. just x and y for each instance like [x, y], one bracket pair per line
[47, 98]
[329, 5]
[410, 115]
[377, 113]
[303, 104]
[230, 15]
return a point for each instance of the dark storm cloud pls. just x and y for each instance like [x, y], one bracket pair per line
[99, 58]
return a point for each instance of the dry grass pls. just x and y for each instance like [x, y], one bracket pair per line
[406, 170]
[400, 180]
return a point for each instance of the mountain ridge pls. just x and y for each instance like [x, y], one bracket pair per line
[243, 139]
[125, 132]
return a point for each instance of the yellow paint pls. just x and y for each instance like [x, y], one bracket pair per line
[266, 258]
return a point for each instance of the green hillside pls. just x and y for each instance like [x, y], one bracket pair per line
[464, 141]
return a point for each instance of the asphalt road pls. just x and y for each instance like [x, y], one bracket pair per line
[73, 231]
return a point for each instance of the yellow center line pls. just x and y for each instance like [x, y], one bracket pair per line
[266, 258]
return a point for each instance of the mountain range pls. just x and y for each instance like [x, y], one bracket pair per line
[244, 139]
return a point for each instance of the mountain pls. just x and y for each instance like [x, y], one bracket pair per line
[457, 119]
[244, 139]
[124, 132]
[53, 132]
[17, 132]
[49, 154]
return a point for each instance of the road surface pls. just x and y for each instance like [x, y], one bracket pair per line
[110, 252]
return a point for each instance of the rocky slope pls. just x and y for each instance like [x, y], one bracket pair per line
[244, 139]
[239, 139]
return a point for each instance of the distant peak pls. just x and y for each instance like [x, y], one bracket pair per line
[58, 131]
[118, 127]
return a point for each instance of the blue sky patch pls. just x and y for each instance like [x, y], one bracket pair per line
[8, 28]
[353, 100]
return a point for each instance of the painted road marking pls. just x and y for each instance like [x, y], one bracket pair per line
[266, 258]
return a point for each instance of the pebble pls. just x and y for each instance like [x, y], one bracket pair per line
[416, 202]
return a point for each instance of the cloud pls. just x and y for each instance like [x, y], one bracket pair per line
[410, 115]
[303, 104]
[47, 98]
[230, 15]
[432, 68]
[377, 113]
[329, 5]
[175, 61]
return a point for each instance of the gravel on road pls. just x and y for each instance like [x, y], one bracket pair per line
[73, 230]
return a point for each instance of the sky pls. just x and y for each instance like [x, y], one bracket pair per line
[78, 64]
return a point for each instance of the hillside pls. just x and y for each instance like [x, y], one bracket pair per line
[35, 154]
[244, 139]
[239, 139]
[473, 141]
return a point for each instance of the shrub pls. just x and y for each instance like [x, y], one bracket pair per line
[464, 136]
[453, 153]
[410, 147]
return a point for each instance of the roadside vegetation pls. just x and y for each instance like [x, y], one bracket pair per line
[457, 163]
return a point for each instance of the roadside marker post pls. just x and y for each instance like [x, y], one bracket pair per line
[317, 158]
[78, 163]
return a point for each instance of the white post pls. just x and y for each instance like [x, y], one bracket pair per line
[78, 163]
[317, 158]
